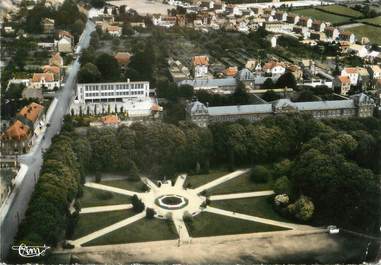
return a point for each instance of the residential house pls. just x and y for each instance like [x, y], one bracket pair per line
[44, 80]
[281, 16]
[364, 77]
[342, 85]
[55, 70]
[47, 25]
[332, 33]
[318, 25]
[64, 45]
[293, 19]
[200, 66]
[114, 31]
[305, 22]
[56, 60]
[250, 64]
[352, 73]
[344, 46]
[231, 71]
[375, 71]
[347, 36]
[274, 68]
[123, 59]
[317, 35]
[359, 50]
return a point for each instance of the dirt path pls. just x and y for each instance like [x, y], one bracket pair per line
[275, 247]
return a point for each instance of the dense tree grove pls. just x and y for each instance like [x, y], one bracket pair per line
[325, 169]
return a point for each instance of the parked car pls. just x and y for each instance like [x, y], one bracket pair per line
[332, 229]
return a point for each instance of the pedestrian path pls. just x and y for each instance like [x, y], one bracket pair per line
[221, 180]
[180, 181]
[181, 229]
[107, 208]
[240, 195]
[80, 241]
[255, 219]
[152, 186]
[109, 188]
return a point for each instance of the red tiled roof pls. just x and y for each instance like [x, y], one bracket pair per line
[351, 70]
[48, 77]
[344, 79]
[32, 111]
[51, 69]
[110, 119]
[17, 131]
[231, 71]
[200, 60]
[123, 57]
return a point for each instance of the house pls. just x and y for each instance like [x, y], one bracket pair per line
[123, 58]
[56, 60]
[375, 71]
[359, 50]
[164, 21]
[342, 85]
[303, 31]
[318, 25]
[200, 66]
[55, 70]
[344, 46]
[114, 31]
[364, 77]
[231, 71]
[347, 36]
[9, 29]
[274, 68]
[47, 25]
[20, 135]
[332, 33]
[317, 35]
[250, 64]
[141, 24]
[111, 120]
[295, 70]
[64, 33]
[293, 19]
[352, 73]
[281, 16]
[181, 20]
[44, 80]
[64, 45]
[305, 22]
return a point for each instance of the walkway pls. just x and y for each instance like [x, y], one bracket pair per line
[181, 229]
[152, 186]
[108, 208]
[180, 181]
[109, 188]
[221, 180]
[240, 195]
[256, 219]
[106, 230]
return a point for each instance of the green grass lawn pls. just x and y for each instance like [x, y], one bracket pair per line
[93, 197]
[198, 180]
[140, 231]
[321, 15]
[91, 222]
[210, 224]
[342, 10]
[257, 206]
[239, 184]
[374, 20]
[125, 184]
[371, 32]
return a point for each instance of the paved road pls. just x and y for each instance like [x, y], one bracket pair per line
[12, 215]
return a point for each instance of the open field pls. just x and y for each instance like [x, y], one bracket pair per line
[198, 180]
[258, 206]
[144, 7]
[371, 32]
[239, 184]
[374, 20]
[91, 222]
[321, 15]
[209, 224]
[92, 197]
[140, 231]
[342, 10]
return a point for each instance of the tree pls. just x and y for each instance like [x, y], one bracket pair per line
[98, 3]
[133, 172]
[137, 204]
[108, 67]
[150, 213]
[268, 84]
[78, 27]
[240, 95]
[283, 186]
[89, 73]
[260, 174]
[303, 209]
[286, 80]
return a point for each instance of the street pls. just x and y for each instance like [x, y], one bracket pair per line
[18, 201]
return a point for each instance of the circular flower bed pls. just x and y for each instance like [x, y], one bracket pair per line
[171, 202]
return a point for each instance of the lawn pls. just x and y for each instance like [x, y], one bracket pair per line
[371, 32]
[198, 180]
[93, 197]
[140, 231]
[258, 206]
[210, 224]
[241, 183]
[91, 222]
[321, 15]
[374, 20]
[342, 10]
[125, 184]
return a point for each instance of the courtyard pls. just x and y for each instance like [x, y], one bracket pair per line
[216, 204]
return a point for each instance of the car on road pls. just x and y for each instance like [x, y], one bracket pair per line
[333, 229]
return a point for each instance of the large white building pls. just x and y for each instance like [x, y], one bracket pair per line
[127, 97]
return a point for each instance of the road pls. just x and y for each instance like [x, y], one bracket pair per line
[17, 203]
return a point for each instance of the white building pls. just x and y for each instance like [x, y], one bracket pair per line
[200, 66]
[352, 73]
[127, 97]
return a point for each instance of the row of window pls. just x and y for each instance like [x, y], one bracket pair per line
[112, 87]
[105, 94]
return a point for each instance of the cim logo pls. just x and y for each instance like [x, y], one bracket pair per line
[30, 251]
